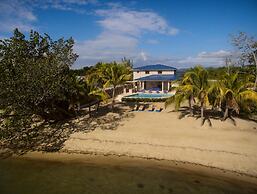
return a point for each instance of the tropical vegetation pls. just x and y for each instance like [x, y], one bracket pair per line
[193, 85]
[38, 83]
[231, 88]
[115, 74]
[231, 93]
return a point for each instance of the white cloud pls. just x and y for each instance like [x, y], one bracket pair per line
[143, 56]
[14, 14]
[64, 5]
[10, 25]
[79, 2]
[133, 22]
[215, 58]
[21, 13]
[122, 29]
[217, 54]
[152, 41]
[106, 47]
[146, 59]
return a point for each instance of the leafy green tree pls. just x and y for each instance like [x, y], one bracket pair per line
[34, 78]
[248, 48]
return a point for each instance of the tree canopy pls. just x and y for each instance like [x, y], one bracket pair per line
[34, 78]
[247, 46]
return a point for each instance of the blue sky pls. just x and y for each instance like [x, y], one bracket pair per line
[180, 33]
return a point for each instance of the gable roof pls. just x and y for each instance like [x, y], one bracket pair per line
[157, 67]
[158, 77]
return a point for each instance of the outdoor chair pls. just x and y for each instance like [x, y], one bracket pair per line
[159, 110]
[142, 108]
[136, 107]
[151, 109]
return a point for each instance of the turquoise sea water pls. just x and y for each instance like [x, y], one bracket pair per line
[41, 177]
[149, 95]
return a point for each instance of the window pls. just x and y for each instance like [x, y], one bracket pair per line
[159, 72]
[146, 72]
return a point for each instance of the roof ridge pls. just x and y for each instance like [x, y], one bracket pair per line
[155, 67]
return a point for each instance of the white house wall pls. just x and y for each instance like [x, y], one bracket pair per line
[140, 74]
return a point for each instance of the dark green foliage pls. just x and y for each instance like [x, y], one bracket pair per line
[81, 72]
[35, 79]
[219, 72]
[34, 73]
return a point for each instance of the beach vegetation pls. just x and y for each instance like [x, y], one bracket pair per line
[193, 85]
[114, 74]
[37, 86]
[232, 92]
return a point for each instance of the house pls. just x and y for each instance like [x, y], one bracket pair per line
[154, 77]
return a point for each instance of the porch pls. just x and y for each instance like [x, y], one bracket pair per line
[158, 83]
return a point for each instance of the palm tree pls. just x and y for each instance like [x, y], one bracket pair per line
[232, 94]
[183, 92]
[92, 88]
[85, 91]
[115, 74]
[194, 84]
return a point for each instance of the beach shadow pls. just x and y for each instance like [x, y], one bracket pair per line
[209, 115]
[231, 119]
[50, 137]
[109, 119]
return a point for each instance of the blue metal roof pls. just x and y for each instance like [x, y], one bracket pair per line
[157, 67]
[162, 77]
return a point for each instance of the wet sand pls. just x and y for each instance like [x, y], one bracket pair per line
[89, 174]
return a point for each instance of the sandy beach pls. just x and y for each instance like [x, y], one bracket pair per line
[140, 152]
[162, 136]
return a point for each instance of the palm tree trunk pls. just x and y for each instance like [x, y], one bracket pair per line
[113, 97]
[191, 102]
[98, 104]
[225, 114]
[202, 112]
[255, 60]
[255, 83]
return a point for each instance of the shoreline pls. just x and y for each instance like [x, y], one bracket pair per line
[122, 160]
[161, 140]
